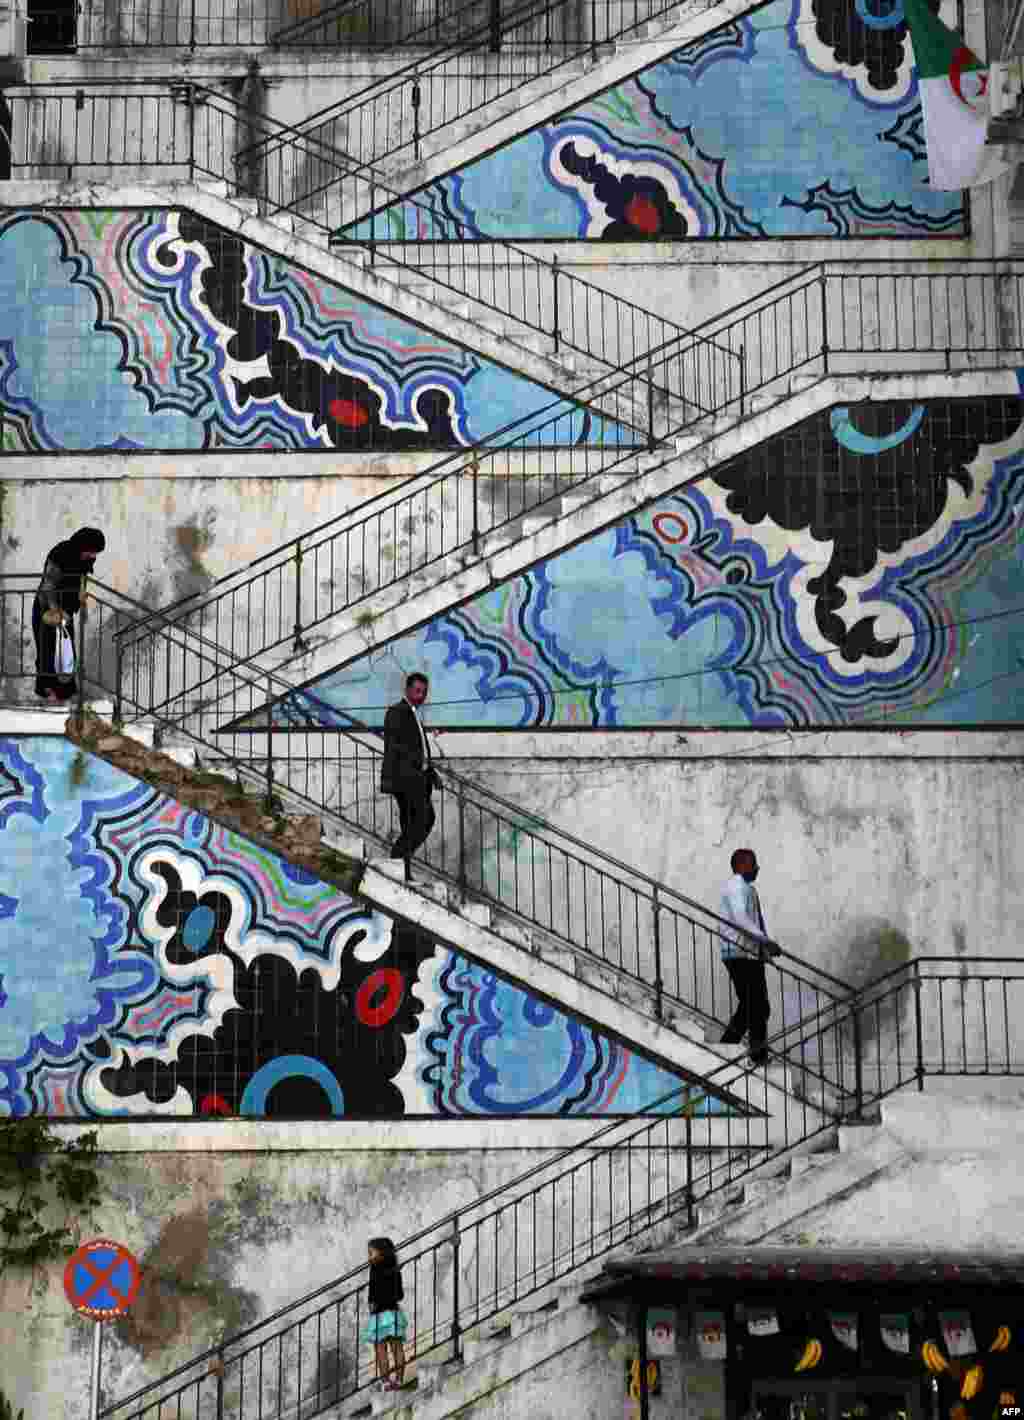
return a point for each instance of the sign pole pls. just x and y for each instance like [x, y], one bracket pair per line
[97, 1353]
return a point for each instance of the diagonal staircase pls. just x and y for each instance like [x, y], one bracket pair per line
[435, 114]
[524, 313]
[539, 905]
[518, 1259]
[824, 337]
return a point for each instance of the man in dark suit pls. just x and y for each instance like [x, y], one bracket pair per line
[406, 771]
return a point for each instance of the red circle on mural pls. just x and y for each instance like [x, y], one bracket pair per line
[389, 980]
[642, 214]
[662, 521]
[214, 1104]
[348, 412]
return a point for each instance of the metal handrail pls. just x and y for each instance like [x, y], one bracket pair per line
[340, 160]
[701, 1172]
[416, 70]
[472, 457]
[275, 687]
[802, 313]
[666, 906]
[613, 312]
[488, 34]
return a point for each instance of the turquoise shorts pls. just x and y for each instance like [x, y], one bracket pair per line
[382, 1326]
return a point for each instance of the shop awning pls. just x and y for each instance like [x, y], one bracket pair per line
[739, 1266]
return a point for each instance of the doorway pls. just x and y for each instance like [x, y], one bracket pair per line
[872, 1398]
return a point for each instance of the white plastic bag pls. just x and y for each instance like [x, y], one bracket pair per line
[65, 657]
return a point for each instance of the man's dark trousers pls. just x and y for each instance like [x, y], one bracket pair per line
[753, 1010]
[415, 816]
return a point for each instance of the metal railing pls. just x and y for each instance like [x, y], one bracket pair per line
[824, 320]
[568, 1212]
[220, 24]
[434, 24]
[636, 932]
[192, 131]
[393, 117]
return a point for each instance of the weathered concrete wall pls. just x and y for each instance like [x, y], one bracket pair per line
[875, 846]
[226, 1236]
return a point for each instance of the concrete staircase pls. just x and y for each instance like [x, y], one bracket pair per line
[488, 113]
[571, 978]
[507, 1349]
[402, 292]
[602, 500]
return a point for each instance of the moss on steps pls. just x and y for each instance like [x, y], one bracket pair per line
[223, 799]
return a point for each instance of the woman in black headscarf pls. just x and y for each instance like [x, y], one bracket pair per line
[56, 602]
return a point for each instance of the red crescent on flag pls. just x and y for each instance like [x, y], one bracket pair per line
[964, 60]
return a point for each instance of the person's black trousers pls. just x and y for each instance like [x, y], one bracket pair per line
[415, 818]
[45, 638]
[752, 1012]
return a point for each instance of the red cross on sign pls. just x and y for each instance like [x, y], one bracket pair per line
[101, 1279]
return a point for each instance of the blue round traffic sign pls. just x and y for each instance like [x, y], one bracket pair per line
[101, 1279]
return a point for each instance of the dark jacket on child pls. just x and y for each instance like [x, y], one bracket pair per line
[385, 1286]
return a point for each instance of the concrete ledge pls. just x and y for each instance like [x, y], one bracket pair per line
[257, 1136]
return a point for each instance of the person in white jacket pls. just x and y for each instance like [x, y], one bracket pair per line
[743, 954]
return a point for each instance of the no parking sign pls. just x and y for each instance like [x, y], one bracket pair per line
[101, 1280]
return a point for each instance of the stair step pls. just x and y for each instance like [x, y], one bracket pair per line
[474, 1348]
[534, 524]
[755, 403]
[250, 205]
[218, 188]
[141, 732]
[478, 912]
[801, 1164]
[354, 255]
[572, 501]
[515, 932]
[348, 844]
[802, 382]
[181, 754]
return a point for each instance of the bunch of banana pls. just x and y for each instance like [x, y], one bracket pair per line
[933, 1358]
[1003, 1339]
[811, 1356]
[974, 1380]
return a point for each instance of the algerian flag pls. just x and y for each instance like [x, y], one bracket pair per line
[954, 98]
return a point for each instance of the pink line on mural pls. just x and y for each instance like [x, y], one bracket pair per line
[359, 324]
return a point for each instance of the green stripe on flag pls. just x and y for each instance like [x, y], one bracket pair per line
[935, 45]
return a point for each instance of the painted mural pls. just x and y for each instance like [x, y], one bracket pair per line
[800, 119]
[865, 567]
[156, 330]
[155, 963]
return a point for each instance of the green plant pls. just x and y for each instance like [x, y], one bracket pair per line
[77, 775]
[7, 1409]
[47, 1184]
